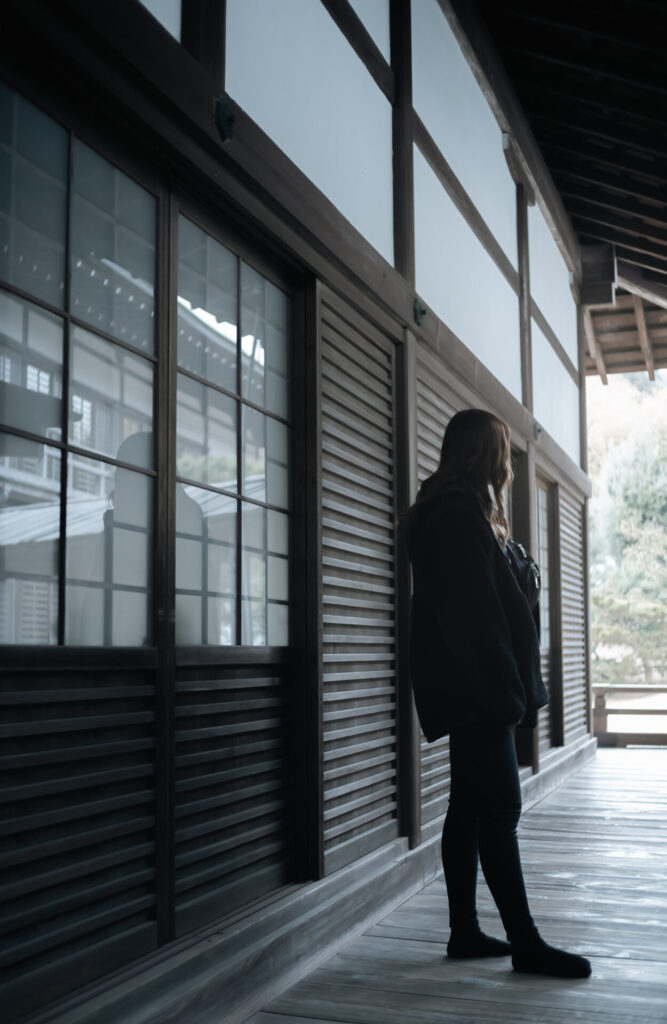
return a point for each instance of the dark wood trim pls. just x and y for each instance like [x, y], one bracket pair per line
[20, 658]
[314, 735]
[463, 202]
[524, 297]
[164, 547]
[552, 338]
[361, 41]
[524, 529]
[636, 282]
[409, 749]
[232, 656]
[203, 35]
[404, 188]
[473, 38]
[556, 617]
[587, 618]
[583, 421]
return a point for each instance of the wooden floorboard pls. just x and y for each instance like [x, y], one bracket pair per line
[595, 861]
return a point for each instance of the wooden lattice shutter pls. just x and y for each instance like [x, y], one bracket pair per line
[232, 788]
[358, 587]
[78, 849]
[573, 616]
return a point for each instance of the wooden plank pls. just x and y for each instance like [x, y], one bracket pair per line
[636, 282]
[644, 340]
[359, 38]
[590, 892]
[593, 346]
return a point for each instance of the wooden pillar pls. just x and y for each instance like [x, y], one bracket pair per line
[404, 216]
[524, 297]
[409, 747]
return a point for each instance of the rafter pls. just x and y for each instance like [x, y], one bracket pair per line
[593, 346]
[632, 279]
[644, 339]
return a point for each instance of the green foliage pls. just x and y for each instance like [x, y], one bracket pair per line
[628, 542]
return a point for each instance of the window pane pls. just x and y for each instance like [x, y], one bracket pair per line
[29, 532]
[265, 577]
[109, 554]
[33, 199]
[113, 250]
[207, 301]
[205, 566]
[264, 343]
[265, 459]
[31, 353]
[206, 435]
[111, 399]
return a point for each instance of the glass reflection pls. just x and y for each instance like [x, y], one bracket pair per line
[31, 354]
[207, 306]
[265, 458]
[264, 343]
[205, 567]
[29, 539]
[109, 553]
[206, 435]
[111, 398]
[113, 250]
[33, 199]
[264, 577]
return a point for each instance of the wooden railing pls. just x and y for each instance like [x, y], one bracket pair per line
[618, 693]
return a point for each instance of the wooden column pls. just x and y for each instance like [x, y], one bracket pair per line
[524, 527]
[409, 747]
[203, 35]
[404, 215]
[524, 297]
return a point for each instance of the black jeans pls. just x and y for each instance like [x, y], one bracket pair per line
[481, 822]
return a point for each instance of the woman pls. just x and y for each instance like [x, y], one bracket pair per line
[475, 665]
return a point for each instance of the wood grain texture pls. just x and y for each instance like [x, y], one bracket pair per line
[595, 861]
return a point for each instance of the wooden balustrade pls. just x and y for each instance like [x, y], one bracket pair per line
[602, 713]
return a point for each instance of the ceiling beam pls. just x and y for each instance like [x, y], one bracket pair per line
[593, 347]
[648, 254]
[601, 177]
[632, 226]
[644, 339]
[573, 119]
[635, 282]
[594, 196]
[640, 261]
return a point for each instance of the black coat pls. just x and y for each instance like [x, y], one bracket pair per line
[474, 648]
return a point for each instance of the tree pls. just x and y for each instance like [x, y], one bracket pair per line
[628, 467]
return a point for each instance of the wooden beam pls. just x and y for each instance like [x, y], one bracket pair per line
[644, 340]
[404, 206]
[634, 281]
[593, 347]
[524, 298]
[598, 275]
[362, 43]
[635, 228]
[568, 165]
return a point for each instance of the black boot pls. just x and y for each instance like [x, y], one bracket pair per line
[471, 944]
[532, 955]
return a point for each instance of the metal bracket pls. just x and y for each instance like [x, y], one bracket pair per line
[418, 312]
[224, 117]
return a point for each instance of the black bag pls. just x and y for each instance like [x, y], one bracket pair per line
[526, 571]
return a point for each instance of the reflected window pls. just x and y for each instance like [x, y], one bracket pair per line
[33, 199]
[113, 250]
[233, 442]
[29, 541]
[76, 395]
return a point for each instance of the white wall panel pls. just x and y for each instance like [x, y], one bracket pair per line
[292, 70]
[555, 396]
[453, 108]
[460, 281]
[168, 13]
[550, 283]
[375, 16]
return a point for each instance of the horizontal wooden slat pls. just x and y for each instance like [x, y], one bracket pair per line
[357, 574]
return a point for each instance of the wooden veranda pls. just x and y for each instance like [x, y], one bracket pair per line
[595, 860]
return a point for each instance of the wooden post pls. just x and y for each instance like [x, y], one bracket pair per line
[409, 748]
[404, 216]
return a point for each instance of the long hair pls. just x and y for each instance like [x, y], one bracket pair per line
[476, 454]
